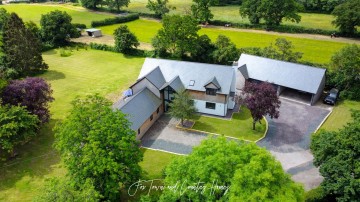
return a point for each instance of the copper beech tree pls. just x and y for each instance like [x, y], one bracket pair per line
[261, 99]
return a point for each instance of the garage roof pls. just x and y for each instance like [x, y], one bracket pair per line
[287, 74]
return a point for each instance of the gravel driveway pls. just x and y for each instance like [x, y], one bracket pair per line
[288, 139]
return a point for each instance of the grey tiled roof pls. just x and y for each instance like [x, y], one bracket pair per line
[139, 107]
[291, 75]
[187, 71]
[175, 84]
[155, 77]
[213, 81]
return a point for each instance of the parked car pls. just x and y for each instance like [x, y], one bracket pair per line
[332, 96]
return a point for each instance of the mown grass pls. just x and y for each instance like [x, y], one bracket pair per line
[316, 51]
[340, 115]
[84, 72]
[33, 12]
[231, 14]
[240, 126]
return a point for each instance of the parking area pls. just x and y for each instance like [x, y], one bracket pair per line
[288, 139]
[164, 135]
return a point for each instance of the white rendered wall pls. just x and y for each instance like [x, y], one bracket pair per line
[220, 108]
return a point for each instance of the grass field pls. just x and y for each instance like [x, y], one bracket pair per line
[240, 126]
[80, 74]
[231, 14]
[314, 50]
[341, 115]
[33, 12]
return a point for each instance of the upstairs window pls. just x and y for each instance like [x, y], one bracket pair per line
[210, 91]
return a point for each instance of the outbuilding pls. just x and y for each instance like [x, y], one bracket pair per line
[296, 81]
[94, 32]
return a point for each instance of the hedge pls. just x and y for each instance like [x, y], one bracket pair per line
[115, 20]
[280, 28]
[102, 47]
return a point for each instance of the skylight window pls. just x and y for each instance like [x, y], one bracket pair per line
[192, 83]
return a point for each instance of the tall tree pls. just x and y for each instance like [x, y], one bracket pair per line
[160, 7]
[337, 155]
[97, 143]
[16, 127]
[203, 50]
[272, 11]
[4, 15]
[345, 65]
[118, 4]
[178, 35]
[261, 99]
[125, 41]
[56, 28]
[33, 93]
[250, 9]
[90, 3]
[201, 10]
[215, 171]
[225, 50]
[347, 16]
[182, 106]
[21, 49]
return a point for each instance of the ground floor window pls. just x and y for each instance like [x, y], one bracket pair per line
[210, 105]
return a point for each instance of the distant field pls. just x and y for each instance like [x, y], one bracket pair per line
[231, 14]
[314, 50]
[33, 12]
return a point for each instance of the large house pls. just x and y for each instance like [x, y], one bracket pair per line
[212, 88]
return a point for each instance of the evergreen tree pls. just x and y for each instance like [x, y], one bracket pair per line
[21, 49]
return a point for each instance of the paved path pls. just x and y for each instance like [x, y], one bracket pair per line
[288, 139]
[165, 136]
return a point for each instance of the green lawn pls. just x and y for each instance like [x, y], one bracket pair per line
[240, 126]
[33, 12]
[84, 72]
[231, 14]
[317, 51]
[341, 115]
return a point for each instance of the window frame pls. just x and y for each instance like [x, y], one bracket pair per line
[211, 91]
[209, 107]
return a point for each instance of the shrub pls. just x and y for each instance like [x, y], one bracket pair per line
[102, 47]
[79, 25]
[116, 20]
[65, 52]
[315, 195]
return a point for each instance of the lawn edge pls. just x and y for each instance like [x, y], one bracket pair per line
[323, 121]
[209, 133]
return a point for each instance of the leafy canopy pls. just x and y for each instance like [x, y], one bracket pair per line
[177, 37]
[272, 11]
[96, 143]
[201, 10]
[337, 153]
[261, 99]
[345, 65]
[182, 106]
[347, 16]
[33, 93]
[219, 169]
[125, 41]
[225, 50]
[56, 28]
[160, 7]
[17, 126]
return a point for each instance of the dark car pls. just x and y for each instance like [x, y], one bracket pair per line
[332, 97]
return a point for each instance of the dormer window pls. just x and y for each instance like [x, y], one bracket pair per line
[211, 91]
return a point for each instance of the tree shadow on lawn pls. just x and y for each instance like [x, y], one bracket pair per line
[53, 75]
[50, 52]
[36, 158]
